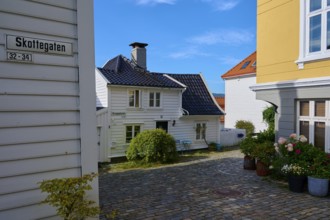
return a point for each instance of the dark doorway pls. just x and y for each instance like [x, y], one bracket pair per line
[162, 125]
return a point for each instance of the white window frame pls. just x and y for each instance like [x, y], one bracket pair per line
[133, 131]
[200, 132]
[311, 118]
[304, 54]
[154, 104]
[137, 102]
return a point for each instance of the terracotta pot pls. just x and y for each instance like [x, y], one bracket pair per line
[249, 163]
[262, 169]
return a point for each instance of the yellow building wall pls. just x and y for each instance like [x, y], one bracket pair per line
[278, 24]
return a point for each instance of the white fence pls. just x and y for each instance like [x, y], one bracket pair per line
[231, 137]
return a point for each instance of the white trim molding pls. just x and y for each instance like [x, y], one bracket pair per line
[321, 81]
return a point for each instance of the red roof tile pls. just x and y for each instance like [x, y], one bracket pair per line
[245, 67]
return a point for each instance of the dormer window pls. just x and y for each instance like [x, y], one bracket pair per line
[245, 64]
[314, 31]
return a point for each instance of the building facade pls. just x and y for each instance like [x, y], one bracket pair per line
[293, 66]
[47, 101]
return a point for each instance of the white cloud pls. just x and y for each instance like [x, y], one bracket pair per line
[188, 53]
[155, 2]
[222, 5]
[228, 37]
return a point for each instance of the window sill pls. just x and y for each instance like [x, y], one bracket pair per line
[311, 58]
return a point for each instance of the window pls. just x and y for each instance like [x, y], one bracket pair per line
[134, 98]
[314, 31]
[245, 64]
[313, 121]
[154, 99]
[132, 131]
[200, 131]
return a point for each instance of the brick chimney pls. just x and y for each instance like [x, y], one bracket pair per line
[139, 54]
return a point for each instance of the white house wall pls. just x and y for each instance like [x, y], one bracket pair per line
[241, 103]
[101, 90]
[42, 102]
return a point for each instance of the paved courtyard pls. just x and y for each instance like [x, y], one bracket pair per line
[213, 188]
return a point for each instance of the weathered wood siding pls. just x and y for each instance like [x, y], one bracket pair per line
[40, 105]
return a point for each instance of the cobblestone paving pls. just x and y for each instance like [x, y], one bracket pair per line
[216, 188]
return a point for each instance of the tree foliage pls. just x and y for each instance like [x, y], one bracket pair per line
[247, 125]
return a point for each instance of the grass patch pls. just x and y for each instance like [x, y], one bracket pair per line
[120, 164]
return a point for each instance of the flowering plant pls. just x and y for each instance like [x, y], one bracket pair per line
[294, 169]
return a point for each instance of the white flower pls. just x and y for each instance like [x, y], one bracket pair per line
[302, 138]
[290, 147]
[281, 140]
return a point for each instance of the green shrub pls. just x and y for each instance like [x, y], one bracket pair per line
[266, 135]
[67, 195]
[268, 115]
[152, 146]
[247, 125]
[247, 145]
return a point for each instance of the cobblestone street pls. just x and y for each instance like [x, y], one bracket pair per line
[213, 188]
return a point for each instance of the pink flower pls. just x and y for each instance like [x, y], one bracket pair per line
[281, 140]
[293, 136]
[298, 151]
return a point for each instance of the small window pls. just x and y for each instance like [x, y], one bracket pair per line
[131, 132]
[320, 108]
[154, 99]
[134, 98]
[200, 131]
[254, 64]
[304, 108]
[245, 64]
[319, 135]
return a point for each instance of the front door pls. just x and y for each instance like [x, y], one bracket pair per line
[162, 125]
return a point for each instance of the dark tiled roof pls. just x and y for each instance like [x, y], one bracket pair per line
[196, 99]
[121, 71]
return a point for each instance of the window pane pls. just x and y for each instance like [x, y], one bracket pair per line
[151, 99]
[304, 108]
[198, 131]
[320, 108]
[304, 129]
[157, 99]
[129, 132]
[131, 98]
[315, 5]
[328, 30]
[137, 98]
[204, 131]
[319, 135]
[136, 130]
[315, 33]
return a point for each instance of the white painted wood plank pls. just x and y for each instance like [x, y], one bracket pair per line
[23, 23]
[46, 149]
[20, 167]
[30, 182]
[23, 119]
[38, 134]
[71, 4]
[36, 211]
[34, 87]
[27, 71]
[39, 10]
[38, 103]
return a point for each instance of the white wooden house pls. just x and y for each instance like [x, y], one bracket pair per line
[47, 113]
[131, 99]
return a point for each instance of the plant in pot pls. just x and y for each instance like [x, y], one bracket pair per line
[319, 173]
[246, 146]
[297, 175]
[264, 153]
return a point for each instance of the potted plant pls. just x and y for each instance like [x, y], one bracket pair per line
[296, 175]
[246, 146]
[264, 153]
[319, 173]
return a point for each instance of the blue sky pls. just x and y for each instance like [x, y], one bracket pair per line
[184, 36]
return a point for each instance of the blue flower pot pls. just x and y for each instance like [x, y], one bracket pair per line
[318, 187]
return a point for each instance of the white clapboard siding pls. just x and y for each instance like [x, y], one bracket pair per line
[44, 164]
[38, 134]
[43, 149]
[18, 119]
[38, 72]
[38, 103]
[43, 212]
[101, 90]
[40, 11]
[30, 181]
[23, 23]
[33, 87]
